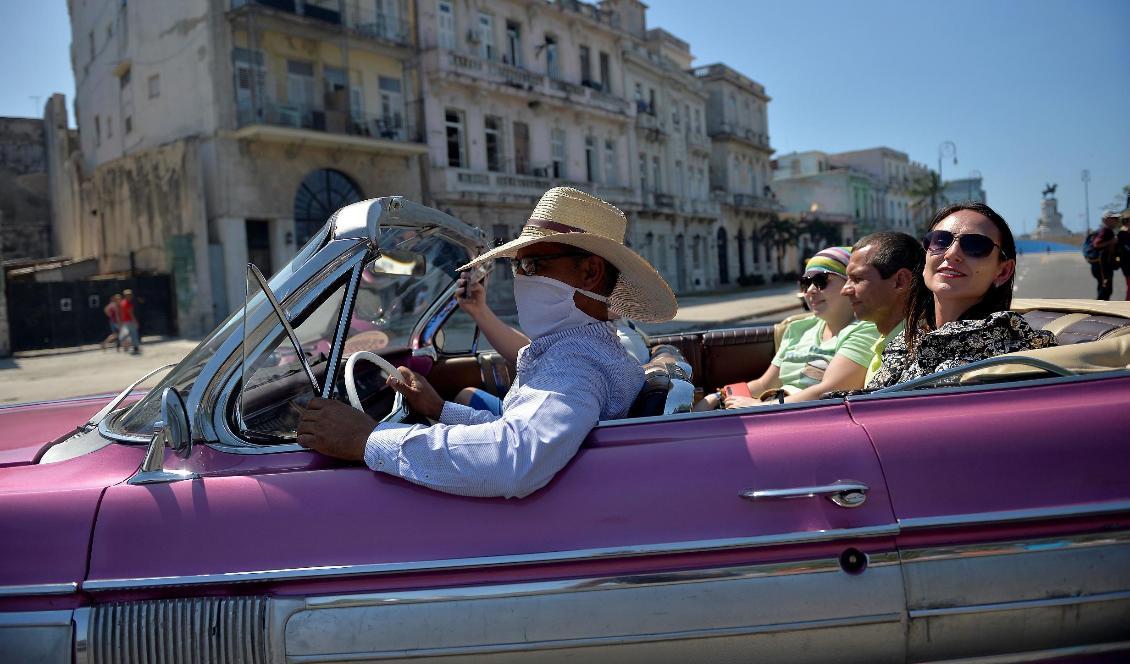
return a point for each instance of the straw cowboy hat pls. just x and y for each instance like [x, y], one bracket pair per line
[569, 216]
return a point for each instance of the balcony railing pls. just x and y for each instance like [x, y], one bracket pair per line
[754, 202]
[361, 18]
[697, 141]
[490, 71]
[390, 127]
[489, 182]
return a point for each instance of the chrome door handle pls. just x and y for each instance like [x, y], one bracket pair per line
[845, 493]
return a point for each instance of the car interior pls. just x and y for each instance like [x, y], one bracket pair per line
[681, 367]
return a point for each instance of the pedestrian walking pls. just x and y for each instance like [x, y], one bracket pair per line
[1102, 255]
[113, 315]
[129, 321]
[1122, 245]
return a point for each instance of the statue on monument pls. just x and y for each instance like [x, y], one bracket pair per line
[1049, 190]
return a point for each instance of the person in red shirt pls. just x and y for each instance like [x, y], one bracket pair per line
[129, 321]
[113, 316]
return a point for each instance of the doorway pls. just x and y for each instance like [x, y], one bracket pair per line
[522, 148]
[259, 245]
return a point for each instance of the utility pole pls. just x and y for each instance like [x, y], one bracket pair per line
[946, 149]
[1086, 177]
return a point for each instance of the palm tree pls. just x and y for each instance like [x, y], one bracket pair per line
[820, 232]
[927, 190]
[779, 234]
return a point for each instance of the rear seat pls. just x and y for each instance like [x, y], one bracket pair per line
[667, 384]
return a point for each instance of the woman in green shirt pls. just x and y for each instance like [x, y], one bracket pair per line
[829, 351]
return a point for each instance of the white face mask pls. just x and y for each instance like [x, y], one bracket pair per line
[546, 305]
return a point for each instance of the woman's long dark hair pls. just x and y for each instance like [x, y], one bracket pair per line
[920, 304]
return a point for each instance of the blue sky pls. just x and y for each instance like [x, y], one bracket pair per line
[1030, 91]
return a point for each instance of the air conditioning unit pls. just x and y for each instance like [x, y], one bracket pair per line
[542, 172]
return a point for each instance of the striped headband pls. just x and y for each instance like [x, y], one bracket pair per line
[832, 259]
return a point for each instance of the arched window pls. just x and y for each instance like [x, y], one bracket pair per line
[321, 193]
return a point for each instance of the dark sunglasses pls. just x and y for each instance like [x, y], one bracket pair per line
[820, 280]
[531, 265]
[974, 245]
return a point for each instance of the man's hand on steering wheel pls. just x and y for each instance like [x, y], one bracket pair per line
[422, 398]
[335, 429]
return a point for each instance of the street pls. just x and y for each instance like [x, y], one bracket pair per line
[47, 375]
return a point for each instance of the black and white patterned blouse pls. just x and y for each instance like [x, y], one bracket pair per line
[957, 343]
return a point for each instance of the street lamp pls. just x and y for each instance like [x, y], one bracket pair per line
[945, 149]
[1086, 177]
[973, 175]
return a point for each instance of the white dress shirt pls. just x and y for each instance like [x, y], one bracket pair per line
[566, 382]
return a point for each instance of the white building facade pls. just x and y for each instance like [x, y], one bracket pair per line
[220, 132]
[737, 122]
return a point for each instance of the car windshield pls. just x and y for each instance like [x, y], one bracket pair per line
[140, 419]
[394, 291]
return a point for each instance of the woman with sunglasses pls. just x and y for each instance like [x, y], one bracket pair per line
[963, 314]
[827, 352]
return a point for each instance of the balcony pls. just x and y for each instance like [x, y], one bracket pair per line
[478, 183]
[354, 17]
[698, 142]
[666, 201]
[292, 123]
[441, 63]
[753, 202]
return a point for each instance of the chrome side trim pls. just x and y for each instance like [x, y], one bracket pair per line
[719, 632]
[579, 555]
[1005, 516]
[542, 588]
[725, 412]
[1021, 605]
[1041, 545]
[60, 618]
[1041, 655]
[1011, 385]
[36, 589]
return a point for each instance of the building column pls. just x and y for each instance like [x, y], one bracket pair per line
[233, 242]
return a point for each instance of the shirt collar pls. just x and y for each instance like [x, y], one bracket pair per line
[606, 329]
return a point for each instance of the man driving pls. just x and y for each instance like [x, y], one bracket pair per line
[573, 276]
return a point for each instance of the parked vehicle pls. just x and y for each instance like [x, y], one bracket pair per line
[981, 512]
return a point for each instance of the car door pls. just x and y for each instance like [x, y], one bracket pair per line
[1013, 504]
[643, 546]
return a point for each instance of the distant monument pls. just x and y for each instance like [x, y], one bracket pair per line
[1050, 224]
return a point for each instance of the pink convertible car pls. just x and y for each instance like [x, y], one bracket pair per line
[983, 512]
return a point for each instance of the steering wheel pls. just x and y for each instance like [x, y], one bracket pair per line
[399, 409]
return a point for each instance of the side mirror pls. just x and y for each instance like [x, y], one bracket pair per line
[175, 416]
[173, 432]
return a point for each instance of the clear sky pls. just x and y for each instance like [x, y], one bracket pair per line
[1030, 91]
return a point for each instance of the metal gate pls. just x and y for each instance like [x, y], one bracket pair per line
[59, 314]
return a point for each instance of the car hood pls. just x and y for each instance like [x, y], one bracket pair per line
[26, 429]
[47, 510]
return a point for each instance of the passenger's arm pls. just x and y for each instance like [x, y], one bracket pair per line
[769, 380]
[841, 374]
[503, 338]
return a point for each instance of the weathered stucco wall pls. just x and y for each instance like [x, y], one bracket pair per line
[151, 218]
[24, 201]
